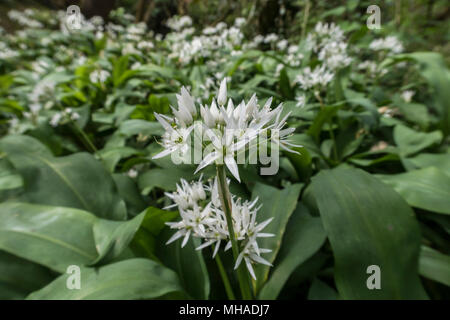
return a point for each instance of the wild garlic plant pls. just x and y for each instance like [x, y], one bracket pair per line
[209, 211]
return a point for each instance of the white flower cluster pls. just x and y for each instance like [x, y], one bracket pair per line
[226, 131]
[6, 52]
[319, 77]
[371, 68]
[202, 217]
[64, 116]
[407, 95]
[327, 41]
[99, 76]
[25, 18]
[42, 94]
[178, 23]
[186, 47]
[390, 44]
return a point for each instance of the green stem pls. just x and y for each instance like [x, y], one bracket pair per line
[225, 280]
[87, 142]
[225, 199]
[330, 126]
[305, 18]
[80, 132]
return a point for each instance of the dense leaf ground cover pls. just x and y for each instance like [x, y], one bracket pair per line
[369, 185]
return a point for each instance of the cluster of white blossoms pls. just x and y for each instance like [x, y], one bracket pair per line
[225, 130]
[99, 76]
[25, 18]
[42, 95]
[327, 41]
[202, 216]
[319, 77]
[407, 95]
[63, 117]
[186, 47]
[390, 44]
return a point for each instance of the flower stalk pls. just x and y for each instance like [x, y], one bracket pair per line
[225, 199]
[224, 276]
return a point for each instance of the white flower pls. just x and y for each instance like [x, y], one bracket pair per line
[271, 37]
[407, 95]
[320, 76]
[55, 120]
[250, 257]
[390, 44]
[222, 97]
[239, 22]
[202, 217]
[132, 173]
[99, 76]
[282, 45]
[228, 130]
[301, 101]
[174, 139]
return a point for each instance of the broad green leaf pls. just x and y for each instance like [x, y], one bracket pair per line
[154, 222]
[187, 262]
[414, 112]
[368, 223]
[19, 277]
[319, 290]
[58, 236]
[434, 265]
[52, 236]
[427, 188]
[433, 68]
[77, 181]
[410, 141]
[112, 237]
[129, 192]
[9, 178]
[165, 179]
[112, 156]
[138, 126]
[303, 237]
[279, 205]
[125, 280]
[324, 115]
[423, 160]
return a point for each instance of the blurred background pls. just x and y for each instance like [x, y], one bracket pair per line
[424, 24]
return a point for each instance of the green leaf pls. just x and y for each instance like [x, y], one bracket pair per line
[19, 277]
[77, 181]
[368, 223]
[423, 160]
[321, 291]
[187, 262]
[139, 126]
[9, 178]
[303, 237]
[52, 236]
[434, 265]
[113, 237]
[165, 179]
[410, 141]
[279, 205]
[325, 114]
[125, 280]
[427, 188]
[112, 156]
[129, 192]
[433, 68]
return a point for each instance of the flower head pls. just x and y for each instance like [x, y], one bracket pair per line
[202, 217]
[226, 129]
